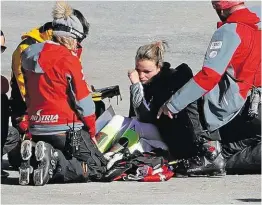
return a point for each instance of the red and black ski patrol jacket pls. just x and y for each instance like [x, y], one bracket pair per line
[234, 51]
[56, 90]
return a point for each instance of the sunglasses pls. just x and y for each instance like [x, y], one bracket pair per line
[3, 49]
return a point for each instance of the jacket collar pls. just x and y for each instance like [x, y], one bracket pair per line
[242, 16]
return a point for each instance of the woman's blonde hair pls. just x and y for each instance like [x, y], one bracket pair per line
[154, 52]
[68, 42]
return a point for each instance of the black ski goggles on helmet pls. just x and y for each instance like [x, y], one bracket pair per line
[79, 35]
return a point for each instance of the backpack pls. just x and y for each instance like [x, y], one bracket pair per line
[143, 167]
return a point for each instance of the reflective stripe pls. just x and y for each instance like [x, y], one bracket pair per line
[53, 129]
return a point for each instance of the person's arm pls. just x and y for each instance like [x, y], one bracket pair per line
[17, 69]
[80, 96]
[131, 109]
[139, 104]
[222, 47]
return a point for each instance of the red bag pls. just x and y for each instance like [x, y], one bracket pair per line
[165, 175]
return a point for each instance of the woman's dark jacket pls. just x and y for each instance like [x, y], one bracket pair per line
[146, 99]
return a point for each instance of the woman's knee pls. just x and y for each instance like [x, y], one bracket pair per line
[119, 120]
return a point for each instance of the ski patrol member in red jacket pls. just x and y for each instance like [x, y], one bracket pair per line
[60, 108]
[231, 68]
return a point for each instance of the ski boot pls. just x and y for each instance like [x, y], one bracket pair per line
[209, 162]
[47, 158]
[25, 168]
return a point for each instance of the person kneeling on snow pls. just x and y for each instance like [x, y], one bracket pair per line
[60, 108]
[18, 91]
[10, 139]
[231, 72]
[153, 83]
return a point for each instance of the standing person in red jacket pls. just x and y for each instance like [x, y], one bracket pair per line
[230, 72]
[60, 108]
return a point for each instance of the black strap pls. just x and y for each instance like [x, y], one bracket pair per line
[60, 27]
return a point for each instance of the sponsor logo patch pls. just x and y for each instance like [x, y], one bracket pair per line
[213, 54]
[216, 45]
[44, 118]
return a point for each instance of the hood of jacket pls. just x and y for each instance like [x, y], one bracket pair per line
[243, 16]
[38, 36]
[246, 16]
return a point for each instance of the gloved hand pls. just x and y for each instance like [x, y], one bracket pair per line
[23, 124]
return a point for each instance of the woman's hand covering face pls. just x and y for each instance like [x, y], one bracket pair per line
[133, 76]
